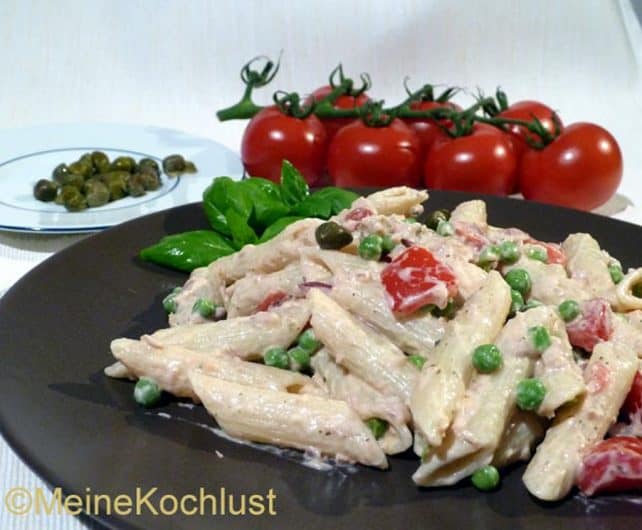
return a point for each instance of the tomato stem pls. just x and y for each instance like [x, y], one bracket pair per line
[252, 78]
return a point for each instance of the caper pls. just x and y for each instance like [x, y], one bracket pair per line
[136, 185]
[148, 163]
[45, 190]
[332, 236]
[72, 199]
[151, 179]
[116, 182]
[123, 163]
[190, 167]
[96, 193]
[59, 173]
[173, 165]
[81, 167]
[72, 179]
[100, 161]
[435, 217]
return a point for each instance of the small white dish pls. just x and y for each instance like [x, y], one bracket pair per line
[30, 154]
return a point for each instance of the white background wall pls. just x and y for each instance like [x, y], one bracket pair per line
[174, 62]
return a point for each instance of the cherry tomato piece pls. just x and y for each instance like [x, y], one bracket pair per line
[332, 125]
[592, 326]
[272, 136]
[415, 279]
[554, 252]
[633, 403]
[274, 299]
[360, 155]
[483, 162]
[580, 169]
[612, 465]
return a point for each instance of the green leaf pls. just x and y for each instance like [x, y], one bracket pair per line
[325, 203]
[215, 202]
[265, 197]
[242, 234]
[294, 188]
[188, 250]
[215, 217]
[277, 227]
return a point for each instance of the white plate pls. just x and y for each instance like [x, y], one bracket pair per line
[30, 154]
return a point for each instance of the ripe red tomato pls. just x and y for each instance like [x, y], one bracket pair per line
[527, 111]
[483, 161]
[416, 278]
[612, 465]
[429, 130]
[272, 136]
[332, 125]
[594, 325]
[633, 402]
[580, 169]
[360, 155]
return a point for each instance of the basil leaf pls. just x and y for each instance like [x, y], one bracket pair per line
[215, 203]
[268, 206]
[188, 250]
[313, 206]
[277, 227]
[338, 198]
[294, 188]
[215, 217]
[242, 234]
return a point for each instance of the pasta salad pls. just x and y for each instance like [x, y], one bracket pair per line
[372, 334]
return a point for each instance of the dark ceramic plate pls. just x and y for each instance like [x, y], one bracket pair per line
[78, 429]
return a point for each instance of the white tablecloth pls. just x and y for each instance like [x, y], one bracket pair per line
[173, 63]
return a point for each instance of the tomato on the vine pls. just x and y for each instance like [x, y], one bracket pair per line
[580, 169]
[527, 111]
[272, 136]
[428, 130]
[483, 161]
[362, 155]
[346, 101]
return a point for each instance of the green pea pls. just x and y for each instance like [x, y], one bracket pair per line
[616, 273]
[169, 302]
[332, 236]
[447, 312]
[509, 252]
[519, 280]
[377, 426]
[308, 341]
[299, 358]
[540, 338]
[569, 309]
[444, 228]
[487, 358]
[387, 244]
[531, 304]
[538, 254]
[434, 218]
[410, 220]
[371, 247]
[276, 357]
[147, 392]
[517, 301]
[417, 360]
[530, 394]
[485, 478]
[488, 257]
[204, 307]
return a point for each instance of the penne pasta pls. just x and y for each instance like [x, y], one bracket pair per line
[299, 421]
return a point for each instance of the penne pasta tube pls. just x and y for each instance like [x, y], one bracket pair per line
[299, 421]
[198, 285]
[448, 368]
[246, 337]
[523, 431]
[364, 352]
[470, 212]
[399, 200]
[170, 367]
[487, 405]
[551, 473]
[588, 264]
[367, 402]
[626, 300]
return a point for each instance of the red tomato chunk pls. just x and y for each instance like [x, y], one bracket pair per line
[633, 403]
[612, 465]
[592, 326]
[415, 279]
[272, 300]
